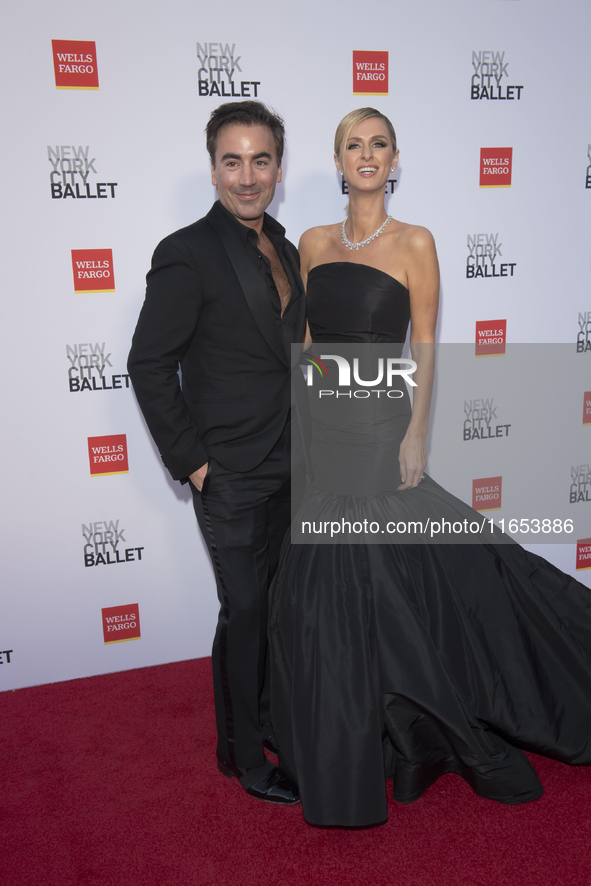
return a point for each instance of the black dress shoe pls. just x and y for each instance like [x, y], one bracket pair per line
[266, 782]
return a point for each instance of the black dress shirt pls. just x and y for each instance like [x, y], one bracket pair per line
[276, 234]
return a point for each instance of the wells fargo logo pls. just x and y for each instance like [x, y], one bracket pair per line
[491, 337]
[74, 63]
[121, 623]
[584, 553]
[93, 270]
[108, 455]
[587, 408]
[370, 73]
[495, 167]
[486, 494]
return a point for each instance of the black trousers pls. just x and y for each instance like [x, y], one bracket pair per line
[243, 518]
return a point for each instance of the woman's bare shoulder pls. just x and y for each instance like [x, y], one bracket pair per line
[416, 237]
[318, 238]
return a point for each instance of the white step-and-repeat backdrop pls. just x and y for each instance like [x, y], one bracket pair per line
[104, 154]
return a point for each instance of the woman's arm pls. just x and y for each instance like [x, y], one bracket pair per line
[423, 286]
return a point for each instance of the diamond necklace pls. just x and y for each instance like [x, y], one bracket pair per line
[349, 245]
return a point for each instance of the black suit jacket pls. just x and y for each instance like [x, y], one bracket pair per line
[208, 311]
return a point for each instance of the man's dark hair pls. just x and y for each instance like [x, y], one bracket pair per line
[244, 114]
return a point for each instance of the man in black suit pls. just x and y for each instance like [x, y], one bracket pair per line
[224, 301]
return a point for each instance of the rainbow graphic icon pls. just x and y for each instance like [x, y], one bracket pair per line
[313, 362]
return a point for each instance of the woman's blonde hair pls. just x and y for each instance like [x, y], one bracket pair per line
[352, 119]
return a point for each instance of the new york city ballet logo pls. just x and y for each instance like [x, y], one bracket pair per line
[5, 656]
[388, 188]
[485, 258]
[388, 371]
[490, 78]
[105, 544]
[370, 73]
[108, 455]
[219, 65]
[93, 270]
[587, 408]
[121, 623]
[486, 493]
[74, 63]
[495, 167]
[491, 338]
[584, 333]
[580, 485]
[481, 421]
[71, 168]
[584, 553]
[91, 369]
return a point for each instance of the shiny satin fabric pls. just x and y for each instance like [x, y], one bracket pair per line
[408, 661]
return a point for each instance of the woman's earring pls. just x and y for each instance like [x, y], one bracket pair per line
[341, 172]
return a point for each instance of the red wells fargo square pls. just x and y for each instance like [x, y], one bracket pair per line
[370, 73]
[93, 270]
[108, 455]
[587, 408]
[491, 337]
[121, 623]
[584, 553]
[74, 63]
[496, 165]
[486, 493]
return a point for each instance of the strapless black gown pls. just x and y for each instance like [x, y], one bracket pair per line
[409, 661]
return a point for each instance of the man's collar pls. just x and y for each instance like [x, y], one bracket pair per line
[270, 225]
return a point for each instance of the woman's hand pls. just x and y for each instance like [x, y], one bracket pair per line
[412, 458]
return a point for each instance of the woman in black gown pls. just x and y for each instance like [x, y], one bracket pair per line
[409, 661]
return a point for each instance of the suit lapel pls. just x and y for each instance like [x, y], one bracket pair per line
[251, 283]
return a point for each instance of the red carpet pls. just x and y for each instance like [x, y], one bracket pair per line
[111, 781]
